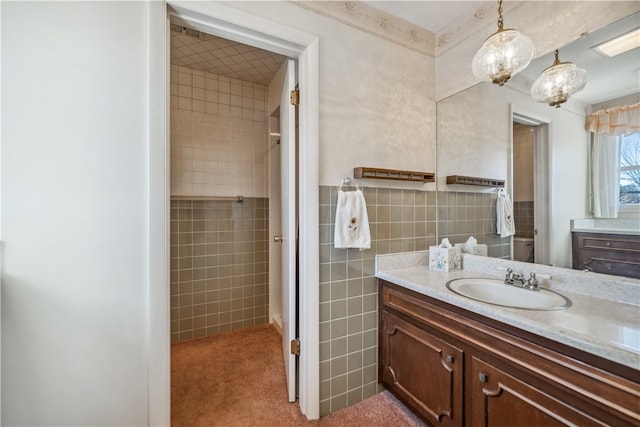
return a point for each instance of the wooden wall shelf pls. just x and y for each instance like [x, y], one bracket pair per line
[472, 180]
[398, 175]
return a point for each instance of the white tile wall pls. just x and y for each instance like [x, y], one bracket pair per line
[219, 144]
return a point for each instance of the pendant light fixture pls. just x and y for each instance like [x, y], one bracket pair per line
[503, 54]
[558, 82]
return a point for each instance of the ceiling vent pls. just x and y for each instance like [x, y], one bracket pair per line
[187, 31]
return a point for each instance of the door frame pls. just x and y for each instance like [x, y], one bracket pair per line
[541, 168]
[237, 25]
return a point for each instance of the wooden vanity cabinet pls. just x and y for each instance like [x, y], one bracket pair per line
[422, 369]
[617, 254]
[456, 368]
[501, 399]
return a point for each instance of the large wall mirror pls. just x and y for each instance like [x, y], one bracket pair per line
[541, 152]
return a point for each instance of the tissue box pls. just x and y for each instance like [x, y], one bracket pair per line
[444, 259]
[479, 249]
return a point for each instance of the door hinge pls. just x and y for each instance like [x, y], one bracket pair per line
[295, 97]
[295, 347]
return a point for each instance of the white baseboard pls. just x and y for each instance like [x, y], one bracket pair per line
[277, 322]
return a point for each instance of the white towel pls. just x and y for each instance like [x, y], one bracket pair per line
[505, 225]
[352, 221]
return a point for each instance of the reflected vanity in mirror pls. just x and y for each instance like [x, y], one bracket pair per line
[541, 152]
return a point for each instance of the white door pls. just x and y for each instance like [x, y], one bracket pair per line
[541, 194]
[288, 186]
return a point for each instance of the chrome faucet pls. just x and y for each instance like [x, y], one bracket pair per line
[516, 279]
[512, 277]
[532, 282]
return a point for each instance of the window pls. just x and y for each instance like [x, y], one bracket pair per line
[630, 170]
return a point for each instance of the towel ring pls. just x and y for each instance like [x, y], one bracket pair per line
[346, 182]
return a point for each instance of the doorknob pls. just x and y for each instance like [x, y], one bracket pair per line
[278, 239]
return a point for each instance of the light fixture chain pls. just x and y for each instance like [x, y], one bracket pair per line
[503, 54]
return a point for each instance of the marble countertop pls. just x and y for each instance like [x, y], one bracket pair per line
[603, 225]
[604, 318]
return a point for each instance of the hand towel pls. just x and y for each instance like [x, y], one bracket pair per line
[505, 225]
[352, 221]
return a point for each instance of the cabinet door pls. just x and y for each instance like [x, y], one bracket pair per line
[425, 371]
[499, 399]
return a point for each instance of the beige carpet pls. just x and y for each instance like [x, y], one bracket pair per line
[237, 379]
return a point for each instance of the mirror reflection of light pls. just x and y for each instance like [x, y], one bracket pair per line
[625, 336]
[621, 44]
[630, 337]
[558, 82]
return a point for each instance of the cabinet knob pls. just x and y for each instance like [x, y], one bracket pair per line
[608, 243]
[449, 358]
[482, 377]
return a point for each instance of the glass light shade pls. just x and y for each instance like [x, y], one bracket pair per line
[558, 82]
[502, 56]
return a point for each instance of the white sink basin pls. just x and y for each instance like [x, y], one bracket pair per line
[496, 292]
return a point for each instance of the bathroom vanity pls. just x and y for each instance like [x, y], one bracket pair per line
[607, 253]
[456, 361]
[607, 246]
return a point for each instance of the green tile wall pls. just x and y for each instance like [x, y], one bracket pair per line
[400, 221]
[219, 266]
[464, 214]
[524, 215]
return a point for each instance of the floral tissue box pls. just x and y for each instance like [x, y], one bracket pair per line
[444, 259]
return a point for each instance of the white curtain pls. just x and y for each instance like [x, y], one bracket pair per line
[605, 175]
[615, 121]
[605, 126]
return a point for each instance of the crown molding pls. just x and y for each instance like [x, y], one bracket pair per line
[363, 17]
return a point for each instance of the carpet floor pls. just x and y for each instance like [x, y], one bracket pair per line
[236, 379]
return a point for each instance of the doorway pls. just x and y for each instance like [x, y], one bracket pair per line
[233, 24]
[220, 201]
[224, 96]
[530, 184]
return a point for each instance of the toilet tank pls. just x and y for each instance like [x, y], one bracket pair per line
[523, 249]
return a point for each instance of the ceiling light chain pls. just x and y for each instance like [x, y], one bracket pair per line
[504, 54]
